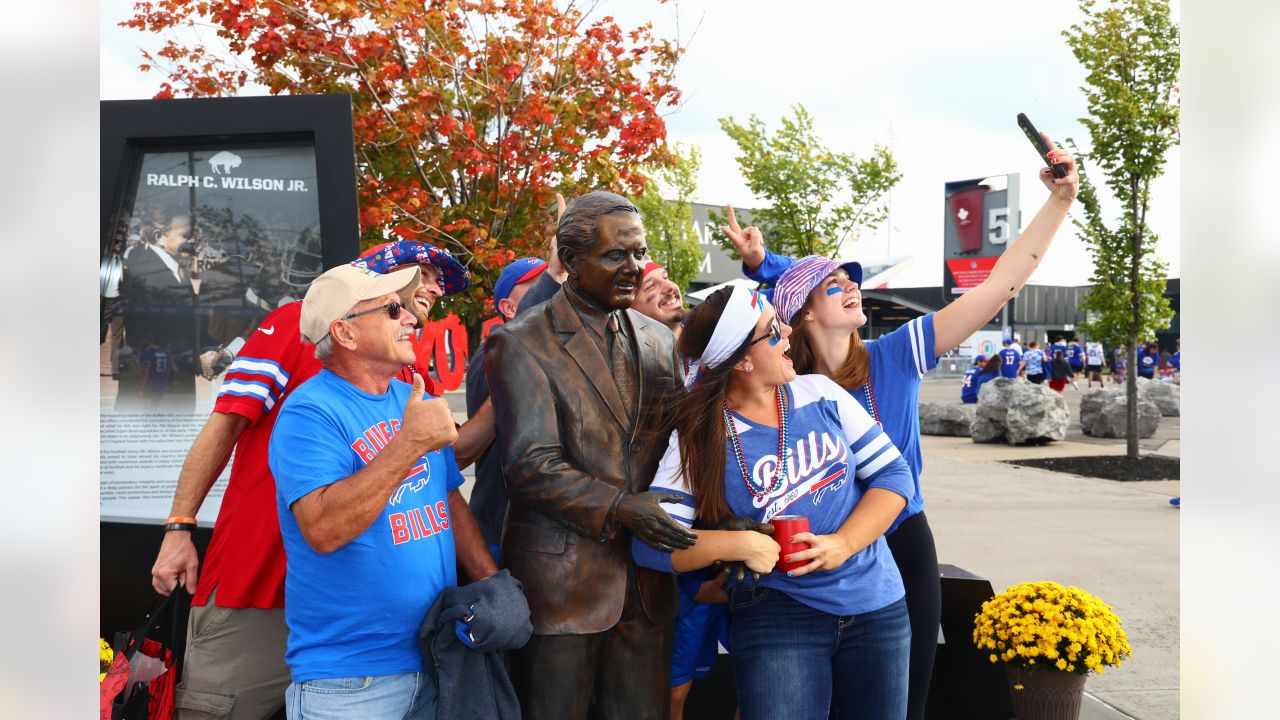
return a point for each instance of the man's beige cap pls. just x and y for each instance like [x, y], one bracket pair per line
[334, 293]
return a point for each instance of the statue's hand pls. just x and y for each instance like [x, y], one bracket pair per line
[739, 522]
[643, 516]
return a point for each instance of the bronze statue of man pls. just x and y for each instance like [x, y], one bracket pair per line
[581, 386]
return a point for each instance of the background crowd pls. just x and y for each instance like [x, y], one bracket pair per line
[1062, 361]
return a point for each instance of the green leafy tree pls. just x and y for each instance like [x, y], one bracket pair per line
[666, 205]
[815, 196]
[1129, 49]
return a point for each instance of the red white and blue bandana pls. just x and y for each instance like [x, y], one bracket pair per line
[736, 322]
[392, 256]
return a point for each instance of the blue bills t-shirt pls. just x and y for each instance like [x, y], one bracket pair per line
[355, 612]
[837, 454]
[971, 385]
[1009, 359]
[1075, 356]
[899, 359]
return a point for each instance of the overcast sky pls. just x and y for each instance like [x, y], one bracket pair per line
[940, 82]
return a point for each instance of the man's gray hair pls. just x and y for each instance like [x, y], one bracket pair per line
[324, 348]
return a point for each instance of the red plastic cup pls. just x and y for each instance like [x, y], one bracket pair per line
[784, 527]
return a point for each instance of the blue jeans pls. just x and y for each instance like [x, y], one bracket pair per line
[791, 661]
[407, 696]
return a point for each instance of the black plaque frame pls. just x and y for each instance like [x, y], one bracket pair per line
[132, 126]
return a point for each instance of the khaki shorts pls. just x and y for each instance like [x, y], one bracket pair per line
[234, 667]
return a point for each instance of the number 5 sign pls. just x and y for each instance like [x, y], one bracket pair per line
[998, 226]
[981, 220]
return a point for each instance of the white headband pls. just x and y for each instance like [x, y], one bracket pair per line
[739, 318]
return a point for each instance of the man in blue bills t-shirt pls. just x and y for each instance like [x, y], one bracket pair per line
[370, 513]
[1075, 355]
[973, 379]
[1010, 360]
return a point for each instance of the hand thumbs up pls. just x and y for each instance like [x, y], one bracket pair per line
[428, 422]
[415, 396]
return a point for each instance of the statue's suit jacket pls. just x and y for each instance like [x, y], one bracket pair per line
[569, 453]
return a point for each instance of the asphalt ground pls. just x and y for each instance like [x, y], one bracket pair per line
[1117, 540]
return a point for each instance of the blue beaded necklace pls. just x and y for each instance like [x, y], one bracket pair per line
[869, 402]
[783, 445]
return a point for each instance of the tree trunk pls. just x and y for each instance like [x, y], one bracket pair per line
[1131, 383]
[1131, 396]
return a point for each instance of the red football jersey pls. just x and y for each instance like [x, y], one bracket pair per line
[245, 560]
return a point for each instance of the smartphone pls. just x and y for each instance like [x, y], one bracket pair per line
[1042, 147]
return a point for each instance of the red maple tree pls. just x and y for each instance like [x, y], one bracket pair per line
[468, 114]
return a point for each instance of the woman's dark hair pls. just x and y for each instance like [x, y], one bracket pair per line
[577, 228]
[993, 363]
[853, 373]
[699, 415]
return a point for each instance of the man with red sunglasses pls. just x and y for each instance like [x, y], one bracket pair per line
[236, 633]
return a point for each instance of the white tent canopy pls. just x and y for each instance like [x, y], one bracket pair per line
[696, 297]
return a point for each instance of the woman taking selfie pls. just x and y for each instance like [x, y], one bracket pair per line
[822, 300]
[830, 637]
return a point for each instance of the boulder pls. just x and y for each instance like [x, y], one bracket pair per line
[1019, 413]
[946, 419]
[1112, 419]
[1091, 402]
[1166, 395]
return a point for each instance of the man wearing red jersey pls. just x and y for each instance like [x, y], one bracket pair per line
[236, 635]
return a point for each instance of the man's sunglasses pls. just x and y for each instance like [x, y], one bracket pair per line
[775, 332]
[393, 311]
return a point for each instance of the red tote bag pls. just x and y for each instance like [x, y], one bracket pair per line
[140, 682]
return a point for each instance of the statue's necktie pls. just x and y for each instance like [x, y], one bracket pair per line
[620, 363]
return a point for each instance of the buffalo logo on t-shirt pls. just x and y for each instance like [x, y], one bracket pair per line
[417, 479]
[817, 465]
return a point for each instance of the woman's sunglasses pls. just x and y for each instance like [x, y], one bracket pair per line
[775, 332]
[393, 311]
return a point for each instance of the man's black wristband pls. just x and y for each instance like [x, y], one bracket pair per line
[189, 527]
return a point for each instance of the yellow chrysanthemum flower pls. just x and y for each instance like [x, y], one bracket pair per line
[105, 656]
[1065, 626]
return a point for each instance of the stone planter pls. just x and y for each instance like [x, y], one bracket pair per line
[1045, 695]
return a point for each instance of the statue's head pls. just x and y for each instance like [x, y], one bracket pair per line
[601, 245]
